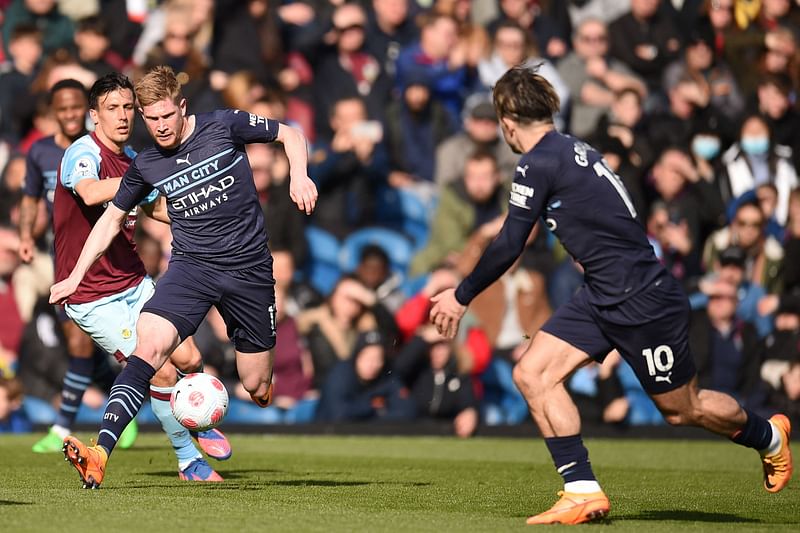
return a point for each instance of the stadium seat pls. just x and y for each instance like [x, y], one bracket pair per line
[406, 212]
[322, 267]
[396, 245]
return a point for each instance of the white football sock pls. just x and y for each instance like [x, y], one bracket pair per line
[775, 444]
[582, 487]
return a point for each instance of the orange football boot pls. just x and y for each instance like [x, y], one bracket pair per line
[89, 461]
[574, 508]
[778, 467]
[265, 400]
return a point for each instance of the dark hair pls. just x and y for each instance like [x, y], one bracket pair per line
[371, 251]
[93, 24]
[524, 96]
[68, 83]
[26, 30]
[108, 83]
[482, 154]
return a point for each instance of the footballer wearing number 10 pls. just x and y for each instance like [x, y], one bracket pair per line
[628, 302]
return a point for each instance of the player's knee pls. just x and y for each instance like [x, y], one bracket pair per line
[527, 382]
[165, 376]
[254, 385]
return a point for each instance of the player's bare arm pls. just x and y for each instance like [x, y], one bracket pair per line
[28, 209]
[107, 227]
[97, 192]
[302, 190]
[157, 210]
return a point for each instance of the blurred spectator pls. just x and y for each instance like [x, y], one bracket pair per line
[428, 365]
[764, 253]
[725, 348]
[593, 78]
[754, 160]
[780, 369]
[126, 18]
[285, 222]
[415, 126]
[348, 71]
[690, 111]
[348, 169]
[473, 40]
[332, 328]
[692, 208]
[529, 15]
[361, 388]
[375, 272]
[434, 57]
[730, 271]
[476, 203]
[513, 46]
[16, 104]
[176, 51]
[93, 50]
[481, 133]
[390, 27]
[624, 121]
[646, 40]
[700, 63]
[56, 29]
[774, 103]
[569, 14]
[11, 325]
[789, 299]
[12, 417]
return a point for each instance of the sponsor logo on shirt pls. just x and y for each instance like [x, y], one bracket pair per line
[520, 194]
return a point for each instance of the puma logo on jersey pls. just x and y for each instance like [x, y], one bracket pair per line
[523, 170]
[179, 160]
[667, 378]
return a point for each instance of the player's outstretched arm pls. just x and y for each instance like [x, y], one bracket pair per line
[450, 305]
[103, 232]
[96, 192]
[302, 190]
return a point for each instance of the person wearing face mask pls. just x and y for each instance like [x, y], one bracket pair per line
[755, 160]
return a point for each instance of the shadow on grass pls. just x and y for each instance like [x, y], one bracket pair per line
[227, 474]
[243, 480]
[687, 516]
[11, 502]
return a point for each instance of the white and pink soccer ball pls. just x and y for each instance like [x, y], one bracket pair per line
[199, 402]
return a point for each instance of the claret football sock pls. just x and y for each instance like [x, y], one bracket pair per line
[125, 400]
[572, 462]
[178, 435]
[757, 432]
[76, 381]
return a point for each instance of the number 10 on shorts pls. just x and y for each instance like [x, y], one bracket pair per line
[659, 359]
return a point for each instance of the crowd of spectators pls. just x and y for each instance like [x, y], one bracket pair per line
[694, 103]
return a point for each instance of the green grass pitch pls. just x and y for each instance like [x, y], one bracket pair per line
[321, 483]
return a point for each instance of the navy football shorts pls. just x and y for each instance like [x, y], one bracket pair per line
[245, 298]
[650, 330]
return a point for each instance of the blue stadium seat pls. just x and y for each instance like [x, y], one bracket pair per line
[396, 245]
[406, 212]
[322, 267]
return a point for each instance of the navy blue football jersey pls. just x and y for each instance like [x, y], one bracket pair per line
[208, 184]
[41, 170]
[569, 185]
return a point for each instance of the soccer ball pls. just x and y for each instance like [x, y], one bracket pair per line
[199, 402]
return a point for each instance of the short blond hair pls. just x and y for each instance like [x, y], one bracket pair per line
[158, 84]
